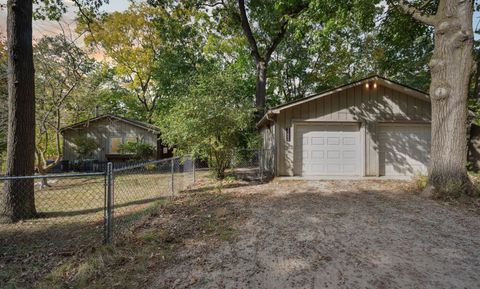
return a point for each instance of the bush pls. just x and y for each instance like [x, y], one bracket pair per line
[84, 146]
[420, 181]
[213, 119]
[139, 150]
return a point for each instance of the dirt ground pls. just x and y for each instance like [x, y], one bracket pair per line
[335, 234]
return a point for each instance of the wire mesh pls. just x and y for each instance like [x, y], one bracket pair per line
[65, 211]
[139, 188]
[53, 212]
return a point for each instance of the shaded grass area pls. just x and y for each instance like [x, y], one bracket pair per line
[202, 216]
[70, 221]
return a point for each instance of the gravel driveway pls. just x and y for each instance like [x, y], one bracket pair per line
[335, 234]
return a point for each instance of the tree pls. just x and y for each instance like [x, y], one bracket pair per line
[451, 66]
[130, 40]
[61, 69]
[3, 102]
[213, 118]
[278, 28]
[17, 198]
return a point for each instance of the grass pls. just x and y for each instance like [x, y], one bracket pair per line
[70, 221]
[151, 244]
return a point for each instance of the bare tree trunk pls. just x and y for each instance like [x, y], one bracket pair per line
[17, 197]
[452, 65]
[261, 89]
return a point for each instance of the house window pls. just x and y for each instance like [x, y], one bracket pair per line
[165, 150]
[115, 143]
[288, 135]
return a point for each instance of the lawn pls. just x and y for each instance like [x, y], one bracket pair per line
[70, 218]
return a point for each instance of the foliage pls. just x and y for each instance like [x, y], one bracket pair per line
[61, 68]
[212, 118]
[139, 150]
[145, 62]
[84, 146]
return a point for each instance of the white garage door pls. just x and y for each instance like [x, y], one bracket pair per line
[404, 149]
[330, 149]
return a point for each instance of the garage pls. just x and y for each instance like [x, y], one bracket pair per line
[404, 149]
[368, 128]
[327, 149]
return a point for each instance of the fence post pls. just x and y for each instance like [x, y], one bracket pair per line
[193, 169]
[172, 178]
[108, 216]
[261, 165]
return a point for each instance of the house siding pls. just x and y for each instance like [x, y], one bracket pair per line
[101, 131]
[367, 106]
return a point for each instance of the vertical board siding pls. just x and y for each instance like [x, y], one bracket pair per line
[366, 105]
[101, 131]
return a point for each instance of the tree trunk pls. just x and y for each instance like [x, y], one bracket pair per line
[261, 89]
[451, 66]
[17, 197]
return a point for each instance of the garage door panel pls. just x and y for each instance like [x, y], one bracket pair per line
[349, 155]
[318, 141]
[349, 141]
[333, 155]
[404, 149]
[333, 141]
[327, 150]
[316, 155]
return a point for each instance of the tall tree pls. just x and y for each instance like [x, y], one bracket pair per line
[280, 15]
[17, 198]
[452, 66]
[130, 41]
[3, 102]
[61, 68]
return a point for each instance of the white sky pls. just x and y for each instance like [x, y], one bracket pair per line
[41, 28]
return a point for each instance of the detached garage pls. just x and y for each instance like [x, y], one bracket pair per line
[372, 127]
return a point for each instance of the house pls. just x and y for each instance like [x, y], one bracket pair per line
[371, 127]
[109, 132]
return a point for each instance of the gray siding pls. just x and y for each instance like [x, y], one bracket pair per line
[101, 131]
[355, 104]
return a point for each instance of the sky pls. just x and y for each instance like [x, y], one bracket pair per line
[41, 28]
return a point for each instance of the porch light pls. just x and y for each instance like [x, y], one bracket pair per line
[367, 85]
[374, 85]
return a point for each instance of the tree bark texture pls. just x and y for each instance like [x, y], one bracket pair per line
[17, 196]
[261, 88]
[452, 65]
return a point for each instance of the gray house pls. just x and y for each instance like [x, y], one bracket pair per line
[371, 127]
[109, 132]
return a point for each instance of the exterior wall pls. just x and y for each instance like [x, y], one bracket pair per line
[101, 131]
[367, 106]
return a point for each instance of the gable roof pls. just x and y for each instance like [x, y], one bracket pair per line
[375, 78]
[86, 123]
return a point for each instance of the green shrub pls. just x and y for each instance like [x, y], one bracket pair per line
[84, 146]
[139, 150]
[420, 181]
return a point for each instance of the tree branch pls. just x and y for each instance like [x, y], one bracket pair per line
[415, 13]
[247, 30]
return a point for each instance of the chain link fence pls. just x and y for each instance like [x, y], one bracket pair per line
[66, 211]
[245, 164]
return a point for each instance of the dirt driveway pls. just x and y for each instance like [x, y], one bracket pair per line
[334, 235]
